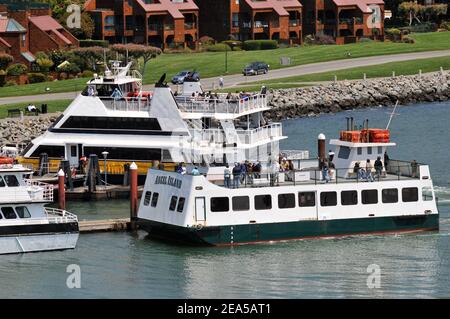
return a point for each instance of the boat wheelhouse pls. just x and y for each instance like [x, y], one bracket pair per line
[26, 225]
[115, 115]
[324, 197]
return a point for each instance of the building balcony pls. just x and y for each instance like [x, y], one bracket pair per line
[159, 27]
[190, 26]
[295, 23]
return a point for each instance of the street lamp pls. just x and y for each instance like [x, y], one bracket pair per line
[231, 45]
[105, 155]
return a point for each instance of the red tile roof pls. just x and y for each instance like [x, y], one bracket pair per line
[363, 5]
[279, 6]
[173, 8]
[48, 24]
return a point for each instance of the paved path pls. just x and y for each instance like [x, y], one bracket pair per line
[235, 79]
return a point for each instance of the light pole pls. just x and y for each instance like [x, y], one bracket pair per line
[105, 155]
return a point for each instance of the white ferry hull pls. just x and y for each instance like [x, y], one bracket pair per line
[37, 242]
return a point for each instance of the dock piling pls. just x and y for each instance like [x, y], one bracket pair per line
[61, 189]
[133, 194]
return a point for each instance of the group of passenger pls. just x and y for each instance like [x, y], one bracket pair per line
[327, 167]
[243, 172]
[370, 172]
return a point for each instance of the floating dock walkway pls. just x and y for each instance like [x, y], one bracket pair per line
[119, 224]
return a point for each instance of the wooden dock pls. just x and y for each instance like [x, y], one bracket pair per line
[102, 193]
[119, 224]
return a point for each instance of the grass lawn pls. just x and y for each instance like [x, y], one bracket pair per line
[53, 106]
[211, 64]
[381, 70]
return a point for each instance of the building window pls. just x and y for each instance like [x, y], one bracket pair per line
[427, 194]
[11, 180]
[23, 212]
[109, 20]
[286, 200]
[389, 195]
[147, 197]
[180, 206]
[241, 203]
[24, 40]
[155, 199]
[220, 204]
[307, 199]
[369, 196]
[173, 203]
[344, 152]
[349, 198]
[9, 213]
[328, 199]
[235, 20]
[410, 194]
[263, 202]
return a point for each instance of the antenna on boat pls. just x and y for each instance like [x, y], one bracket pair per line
[392, 114]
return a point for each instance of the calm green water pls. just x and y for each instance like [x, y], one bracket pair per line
[125, 265]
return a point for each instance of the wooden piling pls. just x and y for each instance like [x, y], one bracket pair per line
[133, 194]
[61, 190]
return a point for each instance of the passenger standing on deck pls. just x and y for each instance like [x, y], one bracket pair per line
[195, 171]
[369, 168]
[378, 166]
[386, 161]
[325, 173]
[414, 166]
[236, 175]
[227, 176]
[243, 170]
[183, 169]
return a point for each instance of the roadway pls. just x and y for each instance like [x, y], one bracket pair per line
[236, 79]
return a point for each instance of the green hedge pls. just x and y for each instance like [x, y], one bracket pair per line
[219, 47]
[233, 44]
[36, 78]
[251, 45]
[16, 69]
[94, 43]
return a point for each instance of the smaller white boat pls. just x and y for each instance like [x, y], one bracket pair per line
[26, 225]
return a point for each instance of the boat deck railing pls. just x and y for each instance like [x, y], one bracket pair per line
[39, 191]
[135, 104]
[222, 104]
[313, 176]
[59, 216]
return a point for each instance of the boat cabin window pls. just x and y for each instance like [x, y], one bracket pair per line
[241, 203]
[9, 213]
[369, 150]
[50, 150]
[147, 197]
[220, 204]
[344, 152]
[349, 198]
[155, 199]
[112, 123]
[173, 203]
[11, 180]
[427, 194]
[307, 199]
[286, 200]
[2, 182]
[380, 150]
[180, 205]
[263, 202]
[23, 212]
[328, 199]
[359, 150]
[389, 195]
[410, 194]
[369, 196]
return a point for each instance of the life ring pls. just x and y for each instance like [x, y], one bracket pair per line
[6, 160]
[198, 226]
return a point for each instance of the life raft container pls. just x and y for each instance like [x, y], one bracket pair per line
[375, 135]
[350, 136]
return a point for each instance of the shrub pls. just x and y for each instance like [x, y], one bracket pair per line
[319, 39]
[233, 44]
[365, 40]
[2, 77]
[424, 27]
[11, 83]
[205, 40]
[44, 64]
[94, 43]
[219, 47]
[36, 77]
[393, 31]
[408, 40]
[70, 68]
[237, 49]
[16, 69]
[41, 55]
[63, 76]
[5, 60]
[251, 45]
[87, 74]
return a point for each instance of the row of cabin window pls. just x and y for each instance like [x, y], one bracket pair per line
[10, 212]
[308, 199]
[344, 151]
[9, 180]
[175, 202]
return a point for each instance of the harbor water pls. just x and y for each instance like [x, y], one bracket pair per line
[130, 265]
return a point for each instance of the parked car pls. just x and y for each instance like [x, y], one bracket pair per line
[180, 77]
[255, 68]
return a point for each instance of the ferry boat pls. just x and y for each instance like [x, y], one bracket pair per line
[328, 196]
[26, 225]
[114, 115]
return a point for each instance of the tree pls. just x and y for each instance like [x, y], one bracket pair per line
[5, 60]
[137, 52]
[90, 55]
[410, 10]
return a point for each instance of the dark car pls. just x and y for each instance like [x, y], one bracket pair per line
[255, 68]
[180, 77]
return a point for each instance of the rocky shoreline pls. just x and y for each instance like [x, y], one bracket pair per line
[291, 103]
[348, 95]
